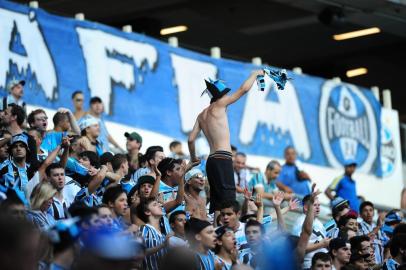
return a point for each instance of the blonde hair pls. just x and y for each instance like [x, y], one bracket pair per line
[40, 194]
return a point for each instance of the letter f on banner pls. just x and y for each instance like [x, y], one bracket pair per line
[102, 69]
[284, 115]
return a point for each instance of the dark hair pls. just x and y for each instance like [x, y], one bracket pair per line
[343, 233]
[400, 228]
[356, 242]
[233, 148]
[31, 116]
[143, 207]
[344, 219]
[19, 112]
[93, 158]
[272, 164]
[117, 161]
[76, 92]
[81, 210]
[365, 204]
[174, 144]
[231, 204]
[150, 153]
[95, 100]
[241, 154]
[112, 193]
[12, 199]
[59, 117]
[174, 215]
[105, 158]
[53, 166]
[306, 199]
[168, 164]
[253, 222]
[322, 256]
[398, 242]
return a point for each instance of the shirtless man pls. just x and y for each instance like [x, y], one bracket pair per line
[214, 123]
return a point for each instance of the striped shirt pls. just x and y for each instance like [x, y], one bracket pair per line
[226, 265]
[206, 261]
[153, 238]
[365, 228]
[390, 264]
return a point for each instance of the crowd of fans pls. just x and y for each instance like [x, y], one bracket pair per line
[67, 202]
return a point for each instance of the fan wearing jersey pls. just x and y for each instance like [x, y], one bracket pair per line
[226, 250]
[318, 241]
[154, 233]
[202, 238]
[230, 213]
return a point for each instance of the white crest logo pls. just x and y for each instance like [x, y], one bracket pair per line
[348, 128]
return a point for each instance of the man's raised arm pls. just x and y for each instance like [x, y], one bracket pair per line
[191, 141]
[244, 88]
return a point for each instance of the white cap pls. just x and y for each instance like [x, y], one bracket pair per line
[193, 172]
[87, 122]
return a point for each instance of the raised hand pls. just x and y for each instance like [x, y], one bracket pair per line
[314, 193]
[65, 142]
[247, 194]
[191, 164]
[258, 201]
[278, 198]
[294, 204]
[156, 170]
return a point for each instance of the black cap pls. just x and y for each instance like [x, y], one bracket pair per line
[145, 179]
[220, 231]
[95, 100]
[194, 226]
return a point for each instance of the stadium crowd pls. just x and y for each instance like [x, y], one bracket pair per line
[68, 202]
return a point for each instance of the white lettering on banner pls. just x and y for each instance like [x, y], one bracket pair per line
[352, 124]
[189, 78]
[284, 116]
[102, 68]
[36, 57]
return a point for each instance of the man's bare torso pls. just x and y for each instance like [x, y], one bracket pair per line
[214, 123]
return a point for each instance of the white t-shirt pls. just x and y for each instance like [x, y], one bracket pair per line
[240, 235]
[318, 234]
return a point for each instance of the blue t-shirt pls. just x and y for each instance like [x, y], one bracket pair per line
[259, 180]
[52, 139]
[345, 187]
[289, 176]
[169, 194]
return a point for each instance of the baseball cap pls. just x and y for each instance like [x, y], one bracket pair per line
[87, 122]
[134, 135]
[350, 162]
[145, 179]
[95, 100]
[194, 226]
[192, 173]
[64, 233]
[220, 231]
[337, 243]
[13, 83]
[392, 218]
[20, 138]
[337, 202]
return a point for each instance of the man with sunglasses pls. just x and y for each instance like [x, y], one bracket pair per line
[195, 203]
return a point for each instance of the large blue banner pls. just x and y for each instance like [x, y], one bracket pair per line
[147, 84]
